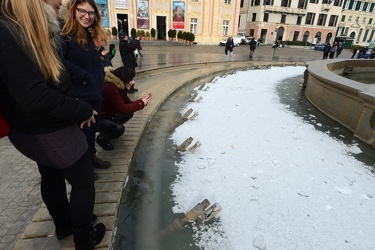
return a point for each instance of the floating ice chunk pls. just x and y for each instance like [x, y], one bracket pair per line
[259, 242]
[328, 207]
[275, 162]
[366, 196]
[344, 190]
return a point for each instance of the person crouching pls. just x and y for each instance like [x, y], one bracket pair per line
[117, 108]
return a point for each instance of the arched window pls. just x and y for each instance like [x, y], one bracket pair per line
[306, 36]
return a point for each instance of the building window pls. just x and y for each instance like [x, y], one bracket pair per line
[314, 1]
[299, 20]
[225, 27]
[310, 18]
[242, 1]
[343, 18]
[227, 1]
[322, 19]
[333, 21]
[256, 2]
[295, 36]
[267, 2]
[193, 25]
[337, 3]
[283, 18]
[357, 19]
[349, 18]
[365, 36]
[353, 4]
[302, 4]
[265, 17]
[364, 20]
[254, 18]
[346, 31]
[306, 36]
[285, 3]
[325, 1]
[370, 21]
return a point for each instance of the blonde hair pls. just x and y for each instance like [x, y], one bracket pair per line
[29, 25]
[72, 26]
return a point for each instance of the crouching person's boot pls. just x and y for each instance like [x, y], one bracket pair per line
[87, 237]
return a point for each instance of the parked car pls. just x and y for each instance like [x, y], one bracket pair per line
[236, 41]
[320, 47]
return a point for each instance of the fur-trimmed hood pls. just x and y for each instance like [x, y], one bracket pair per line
[110, 77]
[53, 24]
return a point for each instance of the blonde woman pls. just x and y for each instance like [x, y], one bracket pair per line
[83, 34]
[39, 105]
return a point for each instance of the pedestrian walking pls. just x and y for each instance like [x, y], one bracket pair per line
[339, 49]
[354, 51]
[333, 51]
[43, 113]
[326, 50]
[253, 46]
[229, 45]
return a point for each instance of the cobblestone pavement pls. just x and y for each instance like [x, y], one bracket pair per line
[20, 196]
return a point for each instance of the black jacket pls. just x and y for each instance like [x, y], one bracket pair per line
[85, 68]
[127, 53]
[32, 105]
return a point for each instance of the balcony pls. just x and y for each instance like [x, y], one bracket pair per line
[286, 10]
[326, 7]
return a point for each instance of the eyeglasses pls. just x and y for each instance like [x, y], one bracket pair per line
[83, 12]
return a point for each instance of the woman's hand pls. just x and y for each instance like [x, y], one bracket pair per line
[147, 99]
[89, 121]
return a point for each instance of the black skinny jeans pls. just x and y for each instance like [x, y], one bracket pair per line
[113, 128]
[82, 198]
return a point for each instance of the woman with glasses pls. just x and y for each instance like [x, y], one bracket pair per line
[83, 34]
[36, 94]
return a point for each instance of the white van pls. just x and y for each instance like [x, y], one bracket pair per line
[236, 40]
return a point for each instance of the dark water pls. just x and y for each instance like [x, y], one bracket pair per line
[146, 204]
[291, 93]
[364, 77]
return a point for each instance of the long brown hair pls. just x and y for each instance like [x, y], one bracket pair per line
[29, 24]
[72, 26]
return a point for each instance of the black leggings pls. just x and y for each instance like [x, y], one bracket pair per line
[82, 198]
[113, 128]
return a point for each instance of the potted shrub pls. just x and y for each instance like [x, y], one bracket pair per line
[147, 35]
[153, 33]
[170, 34]
[179, 35]
[142, 34]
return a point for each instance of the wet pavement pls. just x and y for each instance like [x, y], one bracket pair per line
[24, 220]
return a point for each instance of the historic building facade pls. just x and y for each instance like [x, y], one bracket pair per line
[290, 20]
[357, 22]
[210, 21]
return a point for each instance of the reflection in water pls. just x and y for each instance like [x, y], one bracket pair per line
[146, 204]
[363, 77]
[292, 94]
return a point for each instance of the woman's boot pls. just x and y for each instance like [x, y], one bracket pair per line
[87, 237]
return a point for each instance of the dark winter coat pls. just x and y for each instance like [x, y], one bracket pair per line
[253, 44]
[32, 105]
[229, 45]
[85, 68]
[127, 53]
[115, 99]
